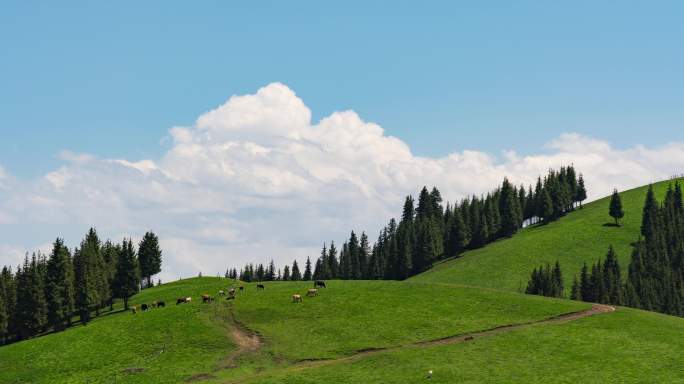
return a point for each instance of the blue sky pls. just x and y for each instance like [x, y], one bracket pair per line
[111, 78]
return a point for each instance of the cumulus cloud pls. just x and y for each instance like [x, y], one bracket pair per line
[255, 179]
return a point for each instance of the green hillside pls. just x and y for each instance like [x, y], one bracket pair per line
[582, 236]
[463, 320]
[175, 343]
[626, 346]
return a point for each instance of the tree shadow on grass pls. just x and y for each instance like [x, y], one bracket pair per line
[611, 225]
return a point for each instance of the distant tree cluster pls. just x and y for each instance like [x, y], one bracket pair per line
[47, 292]
[546, 281]
[601, 284]
[428, 231]
[655, 279]
[268, 273]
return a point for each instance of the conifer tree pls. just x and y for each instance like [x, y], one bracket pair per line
[32, 308]
[127, 279]
[333, 264]
[4, 319]
[546, 206]
[581, 193]
[586, 290]
[296, 275]
[149, 256]
[8, 290]
[307, 269]
[110, 255]
[616, 211]
[286, 273]
[509, 206]
[575, 292]
[59, 286]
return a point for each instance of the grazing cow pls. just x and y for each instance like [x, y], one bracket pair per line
[232, 292]
[468, 338]
[188, 299]
[144, 307]
[312, 292]
[207, 299]
[154, 304]
[161, 304]
[222, 293]
[134, 309]
[231, 296]
[319, 283]
[242, 288]
[182, 300]
[296, 298]
[260, 286]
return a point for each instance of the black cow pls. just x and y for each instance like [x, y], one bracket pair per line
[242, 288]
[144, 307]
[161, 304]
[319, 283]
[260, 286]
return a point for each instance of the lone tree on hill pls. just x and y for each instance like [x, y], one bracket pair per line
[616, 211]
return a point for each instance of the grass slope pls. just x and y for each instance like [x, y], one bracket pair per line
[168, 344]
[581, 236]
[626, 346]
[176, 343]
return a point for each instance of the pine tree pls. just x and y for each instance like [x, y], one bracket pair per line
[581, 193]
[615, 210]
[364, 255]
[333, 264]
[307, 270]
[4, 319]
[509, 206]
[127, 277]
[286, 273]
[8, 290]
[575, 292]
[149, 256]
[110, 255]
[296, 275]
[270, 273]
[32, 308]
[586, 290]
[546, 206]
[457, 237]
[59, 286]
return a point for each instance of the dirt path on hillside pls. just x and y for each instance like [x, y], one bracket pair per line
[246, 341]
[456, 339]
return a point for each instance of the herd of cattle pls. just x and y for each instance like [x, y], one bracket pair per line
[231, 293]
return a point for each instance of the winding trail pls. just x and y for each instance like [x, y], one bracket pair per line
[456, 339]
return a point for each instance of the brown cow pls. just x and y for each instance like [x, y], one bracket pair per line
[296, 298]
[207, 299]
[312, 292]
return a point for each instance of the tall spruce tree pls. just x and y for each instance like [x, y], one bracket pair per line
[616, 211]
[59, 286]
[149, 256]
[307, 270]
[127, 279]
[581, 193]
[296, 274]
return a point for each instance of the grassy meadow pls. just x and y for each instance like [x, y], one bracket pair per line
[175, 343]
[626, 346]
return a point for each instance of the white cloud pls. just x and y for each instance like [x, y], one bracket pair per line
[256, 179]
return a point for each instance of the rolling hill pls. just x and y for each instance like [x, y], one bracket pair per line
[464, 320]
[583, 235]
